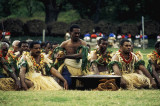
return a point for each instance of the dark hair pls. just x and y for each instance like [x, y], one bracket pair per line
[43, 44]
[55, 43]
[74, 26]
[48, 42]
[124, 40]
[157, 44]
[33, 43]
[20, 43]
[99, 41]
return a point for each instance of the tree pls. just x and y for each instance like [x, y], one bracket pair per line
[52, 9]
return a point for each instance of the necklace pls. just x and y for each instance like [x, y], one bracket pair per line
[156, 54]
[38, 67]
[126, 61]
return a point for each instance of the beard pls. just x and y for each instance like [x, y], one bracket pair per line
[75, 39]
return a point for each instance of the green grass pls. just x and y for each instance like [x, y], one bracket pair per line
[81, 98]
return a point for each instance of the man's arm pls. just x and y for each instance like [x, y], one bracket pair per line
[71, 56]
[58, 75]
[94, 67]
[22, 77]
[11, 71]
[115, 67]
[147, 74]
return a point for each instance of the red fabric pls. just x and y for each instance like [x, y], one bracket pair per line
[7, 33]
[93, 36]
[129, 35]
[123, 36]
[141, 36]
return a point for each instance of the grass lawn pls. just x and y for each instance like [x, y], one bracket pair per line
[88, 98]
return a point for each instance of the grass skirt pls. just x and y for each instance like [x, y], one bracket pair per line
[43, 82]
[7, 84]
[135, 80]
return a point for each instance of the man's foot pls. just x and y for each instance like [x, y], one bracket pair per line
[153, 83]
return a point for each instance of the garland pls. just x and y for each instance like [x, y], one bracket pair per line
[110, 65]
[140, 62]
[10, 53]
[156, 54]
[149, 67]
[103, 58]
[38, 67]
[126, 61]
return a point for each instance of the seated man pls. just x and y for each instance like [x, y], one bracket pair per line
[34, 67]
[100, 58]
[75, 59]
[7, 71]
[154, 63]
[126, 64]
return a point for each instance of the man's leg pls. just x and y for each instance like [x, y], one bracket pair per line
[67, 76]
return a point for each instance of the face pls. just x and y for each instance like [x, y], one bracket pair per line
[103, 45]
[54, 46]
[75, 34]
[4, 50]
[36, 50]
[126, 48]
[158, 49]
[15, 47]
[24, 47]
[48, 48]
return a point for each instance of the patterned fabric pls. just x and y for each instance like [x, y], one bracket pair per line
[127, 67]
[154, 57]
[103, 60]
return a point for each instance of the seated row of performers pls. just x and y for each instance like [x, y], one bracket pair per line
[32, 68]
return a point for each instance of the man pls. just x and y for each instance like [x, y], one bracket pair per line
[75, 59]
[100, 58]
[7, 71]
[15, 46]
[23, 46]
[34, 67]
[154, 63]
[126, 64]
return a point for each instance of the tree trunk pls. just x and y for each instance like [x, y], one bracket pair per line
[51, 10]
[96, 19]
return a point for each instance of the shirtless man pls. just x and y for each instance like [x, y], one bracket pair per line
[100, 58]
[75, 49]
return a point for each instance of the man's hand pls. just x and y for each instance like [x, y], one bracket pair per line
[17, 85]
[65, 85]
[60, 55]
[24, 86]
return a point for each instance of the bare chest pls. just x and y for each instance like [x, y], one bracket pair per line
[72, 49]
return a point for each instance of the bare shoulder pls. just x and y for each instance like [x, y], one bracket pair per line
[93, 55]
[64, 43]
[83, 42]
[115, 58]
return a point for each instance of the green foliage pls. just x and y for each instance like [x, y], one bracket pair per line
[110, 10]
[20, 8]
[69, 16]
